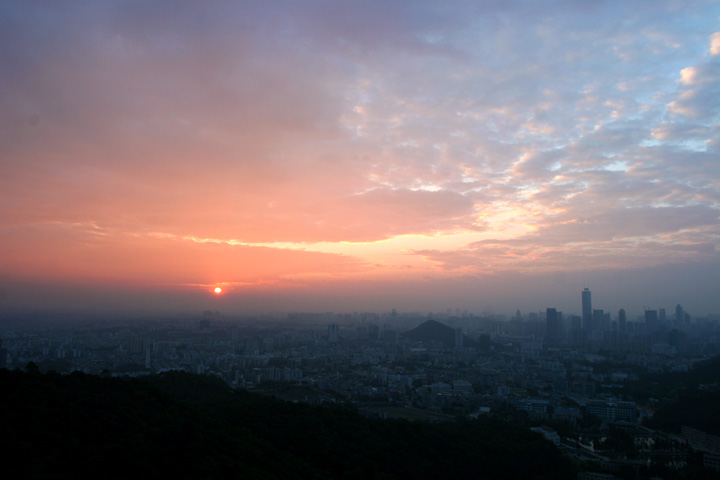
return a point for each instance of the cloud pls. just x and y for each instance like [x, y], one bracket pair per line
[89, 252]
[513, 136]
[699, 99]
[715, 44]
[701, 82]
[630, 237]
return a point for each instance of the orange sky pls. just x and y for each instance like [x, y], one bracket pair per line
[426, 155]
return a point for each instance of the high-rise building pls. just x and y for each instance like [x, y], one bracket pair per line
[458, 337]
[679, 315]
[550, 322]
[652, 323]
[598, 315]
[333, 332]
[586, 310]
[575, 334]
[622, 320]
[553, 328]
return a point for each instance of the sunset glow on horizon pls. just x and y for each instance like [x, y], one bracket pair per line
[329, 155]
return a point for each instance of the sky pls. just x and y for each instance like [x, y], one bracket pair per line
[360, 155]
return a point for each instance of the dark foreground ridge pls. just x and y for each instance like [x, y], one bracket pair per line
[177, 425]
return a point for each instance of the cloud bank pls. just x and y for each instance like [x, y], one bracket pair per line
[170, 143]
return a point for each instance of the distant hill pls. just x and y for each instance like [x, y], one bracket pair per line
[179, 426]
[434, 332]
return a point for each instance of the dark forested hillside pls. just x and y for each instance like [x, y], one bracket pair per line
[177, 425]
[694, 409]
[689, 398]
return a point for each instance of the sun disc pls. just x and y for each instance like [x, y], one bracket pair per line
[218, 290]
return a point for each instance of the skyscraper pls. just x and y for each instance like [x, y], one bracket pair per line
[651, 321]
[586, 310]
[598, 315]
[576, 331]
[622, 320]
[458, 337]
[333, 333]
[554, 330]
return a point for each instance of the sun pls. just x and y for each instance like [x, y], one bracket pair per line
[218, 290]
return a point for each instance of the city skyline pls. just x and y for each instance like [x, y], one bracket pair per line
[345, 156]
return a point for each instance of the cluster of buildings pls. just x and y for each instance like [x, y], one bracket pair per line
[654, 331]
[551, 367]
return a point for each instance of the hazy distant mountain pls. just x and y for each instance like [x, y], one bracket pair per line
[434, 332]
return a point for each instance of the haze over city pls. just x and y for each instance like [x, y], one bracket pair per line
[360, 156]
